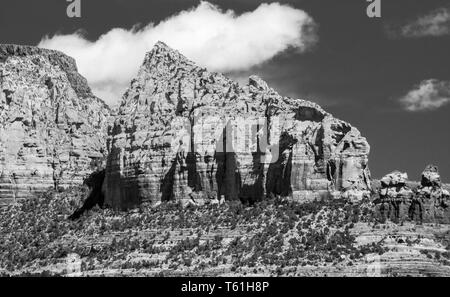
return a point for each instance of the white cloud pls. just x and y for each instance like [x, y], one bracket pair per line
[428, 95]
[436, 23]
[219, 40]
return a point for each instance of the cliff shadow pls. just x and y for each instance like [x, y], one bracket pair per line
[228, 177]
[253, 186]
[278, 181]
[96, 195]
[166, 186]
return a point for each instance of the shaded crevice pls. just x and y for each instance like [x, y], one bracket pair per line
[194, 180]
[228, 177]
[278, 180]
[331, 170]
[8, 96]
[346, 147]
[309, 114]
[96, 195]
[253, 192]
[341, 130]
[416, 211]
[319, 144]
[166, 186]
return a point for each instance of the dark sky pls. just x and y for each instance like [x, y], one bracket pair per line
[356, 71]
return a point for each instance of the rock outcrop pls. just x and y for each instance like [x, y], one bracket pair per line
[429, 203]
[395, 196]
[183, 133]
[432, 202]
[52, 128]
[393, 187]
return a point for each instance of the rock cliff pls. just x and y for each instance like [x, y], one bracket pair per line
[429, 203]
[183, 133]
[52, 128]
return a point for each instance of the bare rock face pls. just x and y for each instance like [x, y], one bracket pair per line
[52, 128]
[431, 178]
[393, 187]
[429, 203]
[432, 201]
[395, 196]
[185, 134]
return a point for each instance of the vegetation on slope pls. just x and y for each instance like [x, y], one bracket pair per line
[267, 237]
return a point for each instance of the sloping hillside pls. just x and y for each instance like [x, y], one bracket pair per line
[276, 237]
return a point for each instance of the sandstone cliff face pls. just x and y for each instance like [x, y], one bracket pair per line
[183, 133]
[429, 203]
[433, 201]
[52, 128]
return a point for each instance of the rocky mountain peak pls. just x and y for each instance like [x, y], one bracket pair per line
[52, 128]
[161, 53]
[184, 133]
[258, 83]
[181, 133]
[162, 48]
[55, 58]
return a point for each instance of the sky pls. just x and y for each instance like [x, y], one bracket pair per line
[388, 76]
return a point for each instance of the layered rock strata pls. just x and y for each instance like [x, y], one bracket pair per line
[432, 201]
[395, 196]
[429, 203]
[183, 133]
[52, 128]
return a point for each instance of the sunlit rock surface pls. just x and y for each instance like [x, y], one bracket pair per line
[183, 133]
[52, 128]
[429, 203]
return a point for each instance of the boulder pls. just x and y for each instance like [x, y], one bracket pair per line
[431, 177]
[394, 179]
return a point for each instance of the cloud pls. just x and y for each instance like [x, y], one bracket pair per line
[219, 40]
[435, 23]
[428, 95]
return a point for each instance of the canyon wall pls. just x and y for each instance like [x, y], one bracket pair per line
[52, 128]
[185, 134]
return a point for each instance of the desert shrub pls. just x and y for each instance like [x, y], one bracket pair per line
[37, 230]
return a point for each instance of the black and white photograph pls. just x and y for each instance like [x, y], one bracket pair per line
[236, 139]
